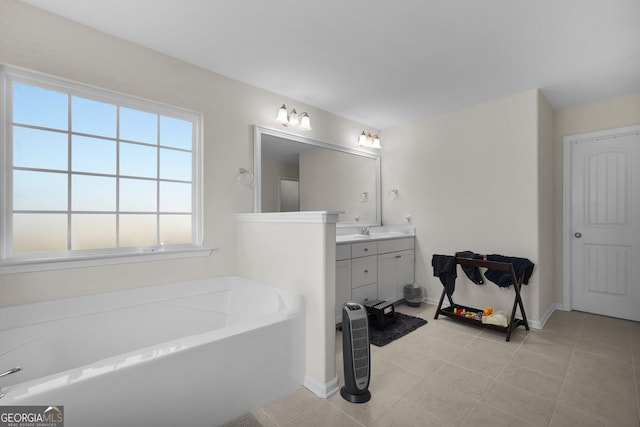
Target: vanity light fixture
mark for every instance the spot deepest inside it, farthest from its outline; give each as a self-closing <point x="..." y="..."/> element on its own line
<point x="294" y="119"/>
<point x="368" y="141"/>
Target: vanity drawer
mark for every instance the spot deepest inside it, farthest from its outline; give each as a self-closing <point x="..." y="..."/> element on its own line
<point x="395" y="245"/>
<point x="343" y="252"/>
<point x="365" y="293"/>
<point x="364" y="271"/>
<point x="364" y="249"/>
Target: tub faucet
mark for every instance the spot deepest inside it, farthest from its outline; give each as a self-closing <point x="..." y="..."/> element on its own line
<point x="9" y="372"/>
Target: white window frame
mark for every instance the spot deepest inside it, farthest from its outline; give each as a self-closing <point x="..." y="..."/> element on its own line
<point x="17" y="263"/>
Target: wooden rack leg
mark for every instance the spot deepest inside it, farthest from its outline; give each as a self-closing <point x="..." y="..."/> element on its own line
<point x="512" y="319"/>
<point x="525" y="322"/>
<point x="517" y="302"/>
<point x="444" y="292"/>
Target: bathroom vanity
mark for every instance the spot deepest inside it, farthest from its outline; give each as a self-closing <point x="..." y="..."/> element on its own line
<point x="373" y="263"/>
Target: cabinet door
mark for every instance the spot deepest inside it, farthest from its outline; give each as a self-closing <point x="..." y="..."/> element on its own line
<point x="387" y="276"/>
<point x="395" y="270"/>
<point x="405" y="271"/>
<point x="343" y="286"/>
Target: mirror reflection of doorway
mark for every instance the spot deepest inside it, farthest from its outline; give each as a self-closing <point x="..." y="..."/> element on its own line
<point x="288" y="194"/>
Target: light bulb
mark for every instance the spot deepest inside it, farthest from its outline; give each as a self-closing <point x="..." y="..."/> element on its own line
<point x="376" y="141"/>
<point x="293" y="118"/>
<point x="282" y="116"/>
<point x="362" y="140"/>
<point x="305" y="122"/>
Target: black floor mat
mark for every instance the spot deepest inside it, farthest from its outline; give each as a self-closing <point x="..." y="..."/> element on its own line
<point x="401" y="327"/>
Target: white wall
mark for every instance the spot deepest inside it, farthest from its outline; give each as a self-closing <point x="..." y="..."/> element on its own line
<point x="40" y="41"/>
<point x="608" y="114"/>
<point x="298" y="257"/>
<point x="546" y="206"/>
<point x="470" y="179"/>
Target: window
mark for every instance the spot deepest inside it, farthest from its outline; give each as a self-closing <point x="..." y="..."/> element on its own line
<point x="89" y="172"/>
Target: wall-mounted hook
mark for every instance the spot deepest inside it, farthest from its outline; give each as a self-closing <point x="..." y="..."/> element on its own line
<point x="245" y="176"/>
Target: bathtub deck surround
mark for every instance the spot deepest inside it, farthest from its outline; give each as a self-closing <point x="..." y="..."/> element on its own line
<point x="184" y="351"/>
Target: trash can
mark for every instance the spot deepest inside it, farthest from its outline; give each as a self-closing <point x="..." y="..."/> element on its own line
<point x="413" y="295"/>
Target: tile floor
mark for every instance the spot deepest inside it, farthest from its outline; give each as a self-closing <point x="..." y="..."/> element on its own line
<point x="581" y="370"/>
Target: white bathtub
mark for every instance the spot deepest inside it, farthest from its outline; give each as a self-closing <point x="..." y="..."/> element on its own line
<point x="196" y="353"/>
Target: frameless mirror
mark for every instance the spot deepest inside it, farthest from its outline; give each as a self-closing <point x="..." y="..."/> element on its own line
<point x="327" y="177"/>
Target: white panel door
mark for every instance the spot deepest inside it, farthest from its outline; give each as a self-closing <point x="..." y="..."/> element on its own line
<point x="605" y="245"/>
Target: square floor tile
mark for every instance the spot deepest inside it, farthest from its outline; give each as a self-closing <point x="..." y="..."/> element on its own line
<point x="540" y="384"/>
<point x="519" y="403"/>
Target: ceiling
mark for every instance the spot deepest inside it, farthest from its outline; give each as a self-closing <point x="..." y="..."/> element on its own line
<point x="384" y="62"/>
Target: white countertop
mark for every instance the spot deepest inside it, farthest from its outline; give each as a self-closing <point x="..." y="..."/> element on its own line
<point x="356" y="234"/>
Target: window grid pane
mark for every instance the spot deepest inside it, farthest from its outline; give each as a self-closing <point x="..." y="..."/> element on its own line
<point x="37" y="106"/>
<point x="29" y="229"/>
<point x="40" y="149"/>
<point x="118" y="187"/>
<point x="93" y="155"/>
<point x="39" y="191"/>
<point x="93" y="231"/>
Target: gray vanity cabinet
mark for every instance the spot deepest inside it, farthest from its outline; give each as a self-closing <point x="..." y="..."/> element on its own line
<point x="343" y="278"/>
<point x="356" y="274"/>
<point x="375" y="269"/>
<point x="343" y="286"/>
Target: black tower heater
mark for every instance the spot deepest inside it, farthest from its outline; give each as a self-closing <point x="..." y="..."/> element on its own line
<point x="355" y="353"/>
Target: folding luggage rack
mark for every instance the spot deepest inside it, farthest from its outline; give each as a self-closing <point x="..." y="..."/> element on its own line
<point x="517" y="302"/>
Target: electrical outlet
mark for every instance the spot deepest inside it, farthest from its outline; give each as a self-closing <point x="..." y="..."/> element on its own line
<point x="408" y="219"/>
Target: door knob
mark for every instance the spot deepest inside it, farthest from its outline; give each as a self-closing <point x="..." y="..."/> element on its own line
<point x="578" y="235"/>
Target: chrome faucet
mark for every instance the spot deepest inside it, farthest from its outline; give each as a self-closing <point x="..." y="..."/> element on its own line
<point x="4" y="374"/>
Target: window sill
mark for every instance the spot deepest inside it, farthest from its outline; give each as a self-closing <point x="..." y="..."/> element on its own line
<point x="45" y="264"/>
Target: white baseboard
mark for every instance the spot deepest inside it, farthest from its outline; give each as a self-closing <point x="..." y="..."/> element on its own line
<point x="539" y="324"/>
<point x="431" y="301"/>
<point x="321" y="390"/>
